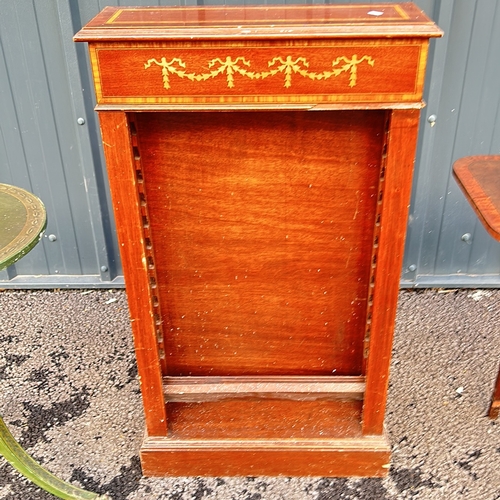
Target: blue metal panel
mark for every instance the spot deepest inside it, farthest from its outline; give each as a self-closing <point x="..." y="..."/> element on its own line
<point x="465" y="99"/>
<point x="45" y="87"/>
<point x="37" y="162"/>
<point x="42" y="149"/>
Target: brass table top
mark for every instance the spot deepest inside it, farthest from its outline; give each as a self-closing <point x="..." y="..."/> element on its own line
<point x="22" y="222"/>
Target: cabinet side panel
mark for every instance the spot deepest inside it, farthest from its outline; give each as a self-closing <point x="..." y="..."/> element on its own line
<point x="123" y="183"/>
<point x="403" y="128"/>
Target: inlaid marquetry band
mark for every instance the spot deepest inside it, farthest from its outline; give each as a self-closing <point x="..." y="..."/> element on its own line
<point x="288" y="66"/>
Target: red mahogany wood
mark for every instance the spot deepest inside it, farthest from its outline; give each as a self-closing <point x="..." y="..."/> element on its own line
<point x="220" y="56"/>
<point x="394" y="207"/>
<point x="243" y="73"/>
<point x="364" y="456"/>
<point x="261" y="243"/>
<point x="270" y="419"/>
<point x="479" y="179"/>
<point x="124" y="181"/>
<point x="269" y="22"/>
<point x="494" y="410"/>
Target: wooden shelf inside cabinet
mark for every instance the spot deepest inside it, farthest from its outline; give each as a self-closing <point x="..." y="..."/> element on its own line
<point x="261" y="242"/>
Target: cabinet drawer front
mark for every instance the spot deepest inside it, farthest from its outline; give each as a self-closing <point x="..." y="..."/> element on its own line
<point x="259" y="73"/>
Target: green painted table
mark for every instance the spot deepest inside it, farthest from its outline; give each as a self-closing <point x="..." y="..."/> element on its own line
<point x="22" y="222"/>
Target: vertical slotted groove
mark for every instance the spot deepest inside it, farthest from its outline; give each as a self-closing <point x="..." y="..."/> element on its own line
<point x="148" y="245"/>
<point x="375" y="245"/>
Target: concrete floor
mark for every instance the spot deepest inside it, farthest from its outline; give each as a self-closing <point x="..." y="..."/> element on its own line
<point x="69" y="393"/>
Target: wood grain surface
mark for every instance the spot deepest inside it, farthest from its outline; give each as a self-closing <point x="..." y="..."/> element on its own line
<point x="264" y="419"/>
<point x="259" y="72"/>
<point x="262" y="227"/>
<point x="258" y="21"/>
<point x="494" y="409"/>
<point x="122" y="172"/>
<point x="364" y="456"/>
<point x="398" y="173"/>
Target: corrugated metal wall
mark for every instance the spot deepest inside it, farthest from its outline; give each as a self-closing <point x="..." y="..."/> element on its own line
<point x="43" y="149"/>
<point x="49" y="143"/>
<point x="463" y="92"/>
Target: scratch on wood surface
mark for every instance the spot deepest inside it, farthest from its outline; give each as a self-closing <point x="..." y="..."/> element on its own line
<point x="357" y="206"/>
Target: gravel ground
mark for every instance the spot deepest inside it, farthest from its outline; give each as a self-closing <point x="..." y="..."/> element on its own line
<point x="69" y="394"/>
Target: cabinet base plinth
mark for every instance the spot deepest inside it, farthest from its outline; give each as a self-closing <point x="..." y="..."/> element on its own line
<point x="364" y="457"/>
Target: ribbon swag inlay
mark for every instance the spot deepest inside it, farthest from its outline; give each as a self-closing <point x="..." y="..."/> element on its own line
<point x="288" y="66"/>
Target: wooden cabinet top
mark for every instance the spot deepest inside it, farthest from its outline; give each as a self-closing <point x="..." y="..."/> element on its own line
<point x="263" y="21"/>
<point x="259" y="56"/>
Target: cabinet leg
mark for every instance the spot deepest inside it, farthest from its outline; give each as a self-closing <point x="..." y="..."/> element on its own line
<point x="495" y="400"/>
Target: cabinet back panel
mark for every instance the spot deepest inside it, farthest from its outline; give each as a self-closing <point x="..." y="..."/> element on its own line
<point x="262" y="235"/>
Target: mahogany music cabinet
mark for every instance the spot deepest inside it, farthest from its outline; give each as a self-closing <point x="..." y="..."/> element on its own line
<point x="260" y="162"/>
